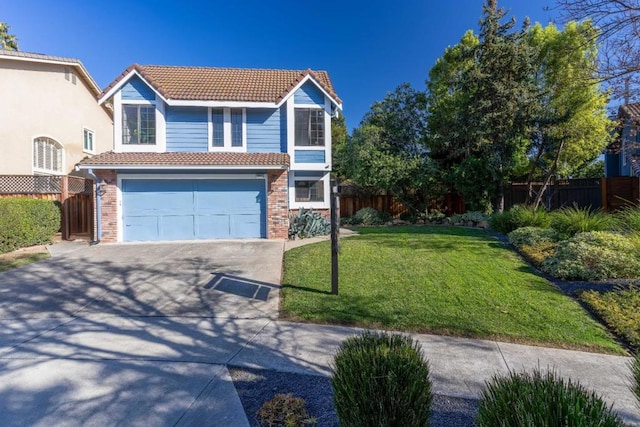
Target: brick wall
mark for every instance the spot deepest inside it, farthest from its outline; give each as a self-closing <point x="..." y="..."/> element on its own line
<point x="277" y="205"/>
<point x="108" y="205"/>
<point x="326" y="213"/>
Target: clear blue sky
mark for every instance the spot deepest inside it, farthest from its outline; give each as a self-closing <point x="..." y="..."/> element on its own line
<point x="367" y="46"/>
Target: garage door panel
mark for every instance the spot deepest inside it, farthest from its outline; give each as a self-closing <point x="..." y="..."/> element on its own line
<point x="213" y="226"/>
<point x="193" y="209"/>
<point x="176" y="227"/>
<point x="141" y="228"/>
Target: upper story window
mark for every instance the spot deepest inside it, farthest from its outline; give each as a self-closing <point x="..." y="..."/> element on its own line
<point x="309" y="126"/>
<point x="47" y="156"/>
<point x="139" y="124"/>
<point x="87" y="141"/>
<point x="228" y="129"/>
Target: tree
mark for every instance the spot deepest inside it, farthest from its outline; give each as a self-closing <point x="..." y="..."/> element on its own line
<point x="618" y="22"/>
<point x="339" y="141"/>
<point x="7" y="41"/>
<point x="487" y="95"/>
<point x="571" y="127"/>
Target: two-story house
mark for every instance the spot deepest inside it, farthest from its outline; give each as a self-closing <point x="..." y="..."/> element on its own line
<point x="205" y="153"/>
<point x="49" y="117"/>
<point x="622" y="156"/>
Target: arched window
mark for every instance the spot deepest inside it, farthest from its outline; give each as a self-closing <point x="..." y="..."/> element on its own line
<point x="47" y="155"/>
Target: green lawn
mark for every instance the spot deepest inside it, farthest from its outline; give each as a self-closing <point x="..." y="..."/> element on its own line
<point x="444" y="280"/>
<point x="17" y="259"/>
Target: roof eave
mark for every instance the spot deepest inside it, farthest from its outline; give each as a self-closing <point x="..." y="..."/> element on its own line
<point x="124" y="166"/>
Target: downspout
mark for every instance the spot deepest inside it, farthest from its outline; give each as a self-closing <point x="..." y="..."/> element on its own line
<point x="98" y="206"/>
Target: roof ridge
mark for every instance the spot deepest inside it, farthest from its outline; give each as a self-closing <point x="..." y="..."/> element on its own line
<point x="206" y="67"/>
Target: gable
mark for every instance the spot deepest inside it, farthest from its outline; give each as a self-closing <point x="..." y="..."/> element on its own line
<point x="309" y="93"/>
<point x="137" y="90"/>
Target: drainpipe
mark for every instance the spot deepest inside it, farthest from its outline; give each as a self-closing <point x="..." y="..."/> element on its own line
<point x="98" y="206"/>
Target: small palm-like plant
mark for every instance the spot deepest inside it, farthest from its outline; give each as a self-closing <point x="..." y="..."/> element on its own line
<point x="630" y="218"/>
<point x="635" y="377"/>
<point x="570" y="221"/>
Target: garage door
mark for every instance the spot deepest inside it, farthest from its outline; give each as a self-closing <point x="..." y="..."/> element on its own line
<point x="186" y="209"/>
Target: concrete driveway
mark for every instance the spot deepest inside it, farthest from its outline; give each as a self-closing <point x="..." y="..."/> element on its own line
<point x="134" y="333"/>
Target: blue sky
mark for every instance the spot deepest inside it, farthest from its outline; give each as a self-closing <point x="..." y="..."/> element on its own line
<point x="368" y="47"/>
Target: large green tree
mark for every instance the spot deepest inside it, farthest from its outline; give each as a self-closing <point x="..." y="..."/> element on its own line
<point x="339" y="141"/>
<point x="571" y="127"/>
<point x="7" y="41"/>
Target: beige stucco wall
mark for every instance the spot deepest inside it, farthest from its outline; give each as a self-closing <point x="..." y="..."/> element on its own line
<point x="37" y="100"/>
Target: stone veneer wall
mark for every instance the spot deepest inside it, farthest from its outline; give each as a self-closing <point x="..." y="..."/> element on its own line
<point x="278" y="204"/>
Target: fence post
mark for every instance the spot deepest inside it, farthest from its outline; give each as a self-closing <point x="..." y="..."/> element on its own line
<point x="64" y="195"/>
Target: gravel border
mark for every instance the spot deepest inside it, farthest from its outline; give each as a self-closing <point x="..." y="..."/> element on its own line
<point x="256" y="386"/>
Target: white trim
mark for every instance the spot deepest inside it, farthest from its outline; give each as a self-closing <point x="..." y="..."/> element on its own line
<point x="226" y="126"/>
<point x="93" y="140"/>
<point x="121" y="177"/>
<point x="161" y="127"/>
<point x="309" y="205"/>
<point x="118" y="86"/>
<point x="313" y="106"/>
<point x="302" y="82"/>
<point x="183" y="167"/>
<point x="222" y="104"/>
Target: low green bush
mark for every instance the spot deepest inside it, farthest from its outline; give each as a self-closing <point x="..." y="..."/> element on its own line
<point x="285" y="410"/>
<point x="570" y="221"/>
<point x="381" y="380"/>
<point x="541" y="400"/>
<point x="474" y="216"/>
<point x="368" y="216"/>
<point x="629" y="219"/>
<point x="532" y="236"/>
<point x="619" y="309"/>
<point x="597" y="255"/>
<point x="307" y="223"/>
<point x="502" y="222"/>
<point x="519" y="216"/>
<point x="27" y="222"/>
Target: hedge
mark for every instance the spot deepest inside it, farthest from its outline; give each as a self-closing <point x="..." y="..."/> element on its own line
<point x="27" y="222"/>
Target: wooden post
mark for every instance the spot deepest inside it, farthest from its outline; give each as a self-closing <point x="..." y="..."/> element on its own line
<point x="64" y="195"/>
<point x="335" y="234"/>
<point x="603" y="190"/>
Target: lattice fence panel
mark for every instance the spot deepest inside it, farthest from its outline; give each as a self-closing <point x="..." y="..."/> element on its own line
<point x="78" y="185"/>
<point x="29" y="184"/>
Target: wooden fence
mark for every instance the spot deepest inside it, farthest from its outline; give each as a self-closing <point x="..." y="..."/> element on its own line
<point x="351" y="203"/>
<point x="585" y="193"/>
<point x="619" y="192"/>
<point x="75" y="195"/>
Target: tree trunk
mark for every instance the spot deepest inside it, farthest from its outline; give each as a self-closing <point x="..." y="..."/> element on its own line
<point x="547" y="179"/>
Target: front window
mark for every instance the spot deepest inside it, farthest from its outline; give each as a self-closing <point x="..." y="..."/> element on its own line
<point x="309" y="127"/>
<point x="236" y="127"/>
<point x="309" y="191"/>
<point x="227" y="129"/>
<point x="87" y="140"/>
<point x="139" y="124"/>
<point x="47" y="155"/>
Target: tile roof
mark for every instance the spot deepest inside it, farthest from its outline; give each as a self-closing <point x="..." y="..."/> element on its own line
<point x="38" y="57"/>
<point x="187" y="159"/>
<point x="224" y="84"/>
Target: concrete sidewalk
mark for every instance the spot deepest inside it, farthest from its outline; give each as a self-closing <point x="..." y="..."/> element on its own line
<point x="101" y="369"/>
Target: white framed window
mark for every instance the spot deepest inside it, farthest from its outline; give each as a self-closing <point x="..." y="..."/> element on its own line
<point x="309" y="190"/>
<point x="48" y="156"/>
<point x="88" y="141"/>
<point x="138" y="124"/>
<point x="309" y="127"/>
<point x="227" y="129"/>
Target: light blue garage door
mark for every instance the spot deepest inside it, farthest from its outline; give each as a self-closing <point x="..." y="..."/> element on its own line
<point x="186" y="209"/>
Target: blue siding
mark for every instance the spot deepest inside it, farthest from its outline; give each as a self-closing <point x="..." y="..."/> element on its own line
<point x="309" y="94"/>
<point x="309" y="156"/>
<point x="187" y="129"/>
<point x="185" y="209"/>
<point x="283" y="129"/>
<point x="137" y="90"/>
<point x="612" y="165"/>
<point x="264" y="131"/>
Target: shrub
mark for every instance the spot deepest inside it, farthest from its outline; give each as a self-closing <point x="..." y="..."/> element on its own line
<point x="619" y="309"/>
<point x="27" y="222"/>
<point x="570" y="221"/>
<point x="597" y="255"/>
<point x="532" y="236"/>
<point x="367" y="216"/>
<point x="381" y="380"/>
<point x="308" y="223"/>
<point x="284" y="410"/>
<point x="528" y="216"/>
<point x="502" y="222"/>
<point x="474" y="217"/>
<point x="629" y="219"/>
<point x="538" y="252"/>
<point x="435" y="215"/>
<point x="537" y="399"/>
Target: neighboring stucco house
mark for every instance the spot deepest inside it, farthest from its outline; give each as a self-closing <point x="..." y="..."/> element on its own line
<point x="205" y="153"/>
<point x="622" y="156"/>
<point x="49" y="117"/>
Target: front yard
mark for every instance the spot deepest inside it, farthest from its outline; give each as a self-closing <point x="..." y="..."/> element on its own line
<point x="444" y="280"/>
